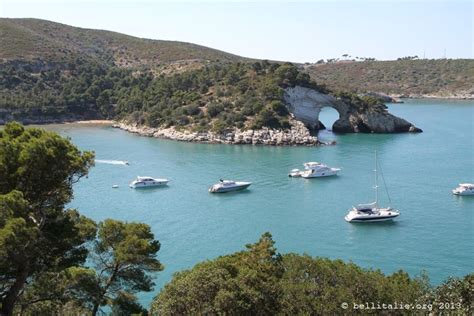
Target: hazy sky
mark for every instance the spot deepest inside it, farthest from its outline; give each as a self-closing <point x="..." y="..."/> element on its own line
<point x="302" y="31"/>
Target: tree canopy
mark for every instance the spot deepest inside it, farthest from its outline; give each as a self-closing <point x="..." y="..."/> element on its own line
<point x="260" y="281"/>
<point x="44" y="245"/>
<point x="37" y="234"/>
<point x="123" y="255"/>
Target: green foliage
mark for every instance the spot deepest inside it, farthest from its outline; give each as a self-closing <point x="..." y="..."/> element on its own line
<point x="240" y="284"/>
<point x="37" y="234"/>
<point x="53" y="293"/>
<point x="279" y="108"/>
<point x="123" y="255"/>
<point x="259" y="281"/>
<point x="361" y="103"/>
<point x="320" y="286"/>
<point x="214" y="109"/>
<point x="43" y="246"/>
<point x="125" y="305"/>
<point x="266" y="117"/>
<point x="454" y="296"/>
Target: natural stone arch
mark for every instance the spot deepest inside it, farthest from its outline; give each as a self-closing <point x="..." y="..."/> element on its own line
<point x="305" y="104"/>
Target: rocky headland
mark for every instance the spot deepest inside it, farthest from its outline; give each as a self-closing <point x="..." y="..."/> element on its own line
<point x="304" y="105"/>
<point x="299" y="134"/>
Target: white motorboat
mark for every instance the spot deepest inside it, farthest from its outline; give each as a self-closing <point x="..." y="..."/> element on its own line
<point x="464" y="189"/>
<point x="366" y="213"/>
<point x="147" y="182"/>
<point x="228" y="186"/>
<point x="314" y="170"/>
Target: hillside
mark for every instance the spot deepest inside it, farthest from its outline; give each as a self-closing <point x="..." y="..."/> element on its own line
<point x="31" y="39"/>
<point x="55" y="73"/>
<point x="215" y="96"/>
<point x="411" y="78"/>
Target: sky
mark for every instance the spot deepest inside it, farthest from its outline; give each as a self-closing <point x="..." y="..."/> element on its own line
<point x="297" y="31"/>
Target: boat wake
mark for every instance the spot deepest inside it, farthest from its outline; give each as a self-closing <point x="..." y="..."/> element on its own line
<point x="113" y="162"/>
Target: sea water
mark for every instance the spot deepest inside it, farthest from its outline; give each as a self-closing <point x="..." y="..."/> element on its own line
<point x="434" y="232"/>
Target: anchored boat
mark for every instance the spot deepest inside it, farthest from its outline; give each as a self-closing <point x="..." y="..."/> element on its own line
<point x="464" y="189"/>
<point x="147" y="182"/>
<point x="228" y="186"/>
<point x="371" y="212"/>
<point x="314" y="170"/>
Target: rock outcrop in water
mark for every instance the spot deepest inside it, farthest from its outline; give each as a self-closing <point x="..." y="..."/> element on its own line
<point x="306" y="104"/>
<point x="297" y="135"/>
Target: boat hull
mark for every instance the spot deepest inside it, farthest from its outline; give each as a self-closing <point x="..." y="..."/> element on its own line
<point x="141" y="185"/>
<point x="229" y="189"/>
<point x="329" y="173"/>
<point x="369" y="220"/>
<point x="464" y="192"/>
<point x="376" y="215"/>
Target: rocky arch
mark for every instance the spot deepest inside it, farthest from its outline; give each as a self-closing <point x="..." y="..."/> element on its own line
<point x="305" y="104"/>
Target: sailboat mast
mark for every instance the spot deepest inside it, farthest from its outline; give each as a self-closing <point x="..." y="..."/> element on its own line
<point x="376" y="187"/>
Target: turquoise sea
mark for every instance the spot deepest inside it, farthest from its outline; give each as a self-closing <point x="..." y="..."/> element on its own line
<point x="435" y="232"/>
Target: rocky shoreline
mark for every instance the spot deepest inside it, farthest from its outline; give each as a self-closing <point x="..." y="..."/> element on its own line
<point x="298" y="135"/>
<point x="461" y="96"/>
<point x="399" y="98"/>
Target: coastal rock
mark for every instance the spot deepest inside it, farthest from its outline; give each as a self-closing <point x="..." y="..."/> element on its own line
<point x="305" y="104"/>
<point x="298" y="134"/>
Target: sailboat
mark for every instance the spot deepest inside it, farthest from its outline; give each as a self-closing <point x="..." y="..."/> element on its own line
<point x="371" y="212"/>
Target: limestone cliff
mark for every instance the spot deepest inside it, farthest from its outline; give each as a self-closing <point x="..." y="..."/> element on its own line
<point x="305" y="104"/>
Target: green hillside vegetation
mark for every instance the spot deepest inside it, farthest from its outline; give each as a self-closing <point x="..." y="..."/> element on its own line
<point x="218" y="95"/>
<point x="33" y="39"/>
<point x="260" y="281"/>
<point x="442" y="77"/>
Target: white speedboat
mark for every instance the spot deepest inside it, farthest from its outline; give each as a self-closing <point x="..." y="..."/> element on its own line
<point x="228" y="186"/>
<point x="147" y="182"/>
<point x="371" y="212"/>
<point x="464" y="189"/>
